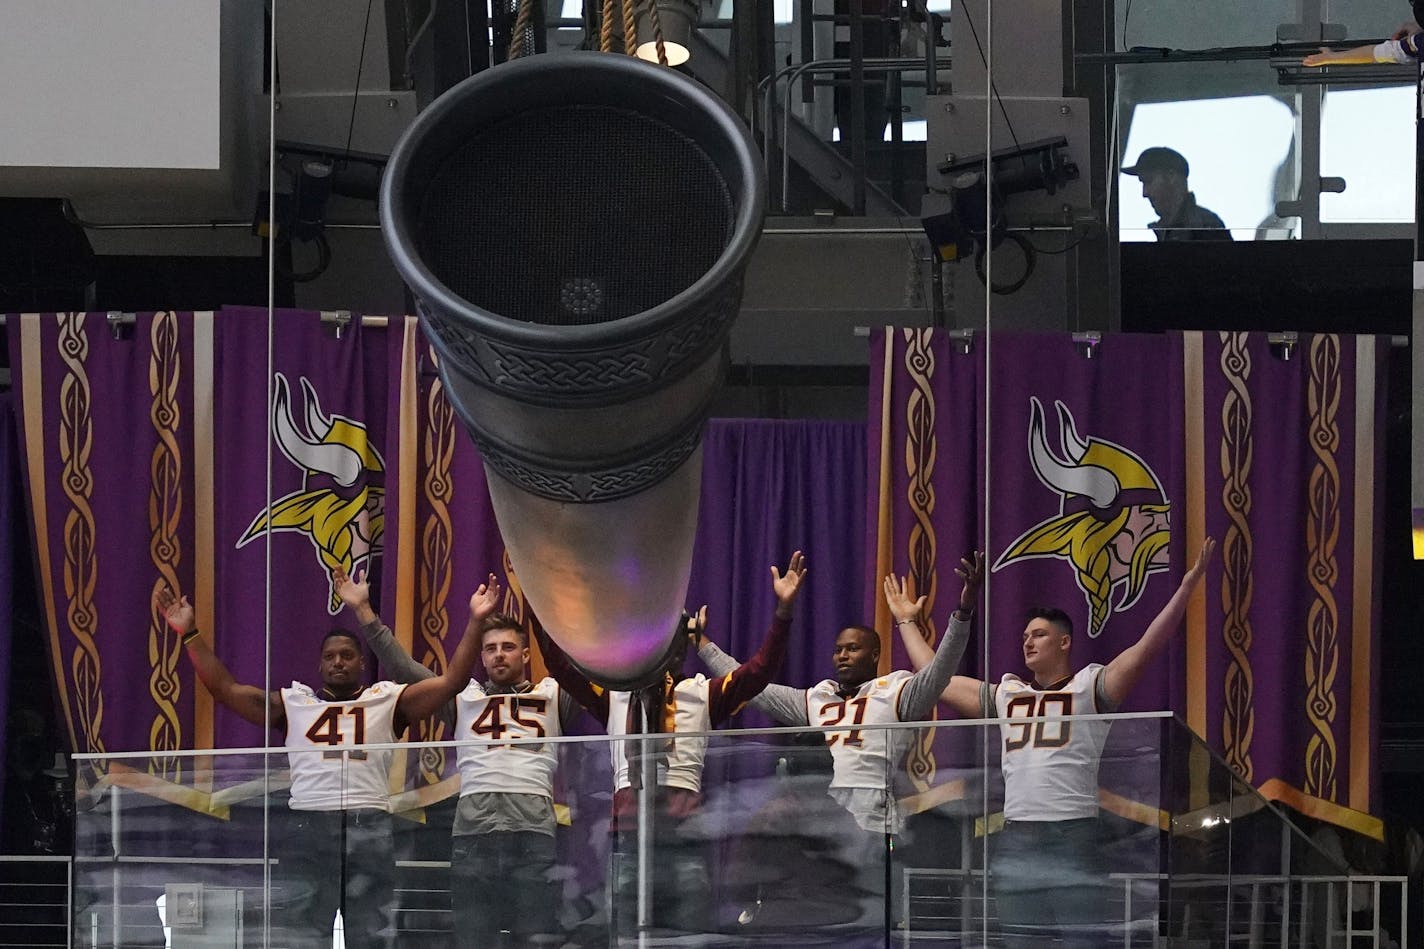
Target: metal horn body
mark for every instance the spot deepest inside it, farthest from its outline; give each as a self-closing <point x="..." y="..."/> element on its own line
<point x="575" y="228"/>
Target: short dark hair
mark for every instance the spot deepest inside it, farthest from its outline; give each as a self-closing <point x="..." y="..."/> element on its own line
<point x="342" y="632"/>
<point x="1054" y="615"/>
<point x="867" y="632"/>
<point x="503" y="621"/>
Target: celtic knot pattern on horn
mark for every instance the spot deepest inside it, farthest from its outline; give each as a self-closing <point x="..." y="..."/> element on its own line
<point x="619" y="369"/>
<point x="607" y="484"/>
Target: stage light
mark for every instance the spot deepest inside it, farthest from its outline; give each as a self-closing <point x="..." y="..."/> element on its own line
<point x="678" y="19"/>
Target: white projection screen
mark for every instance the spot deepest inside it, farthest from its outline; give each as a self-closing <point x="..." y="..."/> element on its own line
<point x="110" y="83"/>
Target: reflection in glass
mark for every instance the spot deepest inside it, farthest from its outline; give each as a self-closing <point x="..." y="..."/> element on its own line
<point x="1237" y="149"/>
<point x="1179" y="848"/>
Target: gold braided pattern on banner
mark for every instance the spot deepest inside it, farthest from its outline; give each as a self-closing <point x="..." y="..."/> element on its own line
<point x="435" y="568"/>
<point x="518" y="39"/>
<point x="920" y="450"/>
<point x="81" y="563"/>
<point x="165" y="548"/>
<point x="605" y="27"/>
<point x="1238" y="719"/>
<point x="1322" y="533"/>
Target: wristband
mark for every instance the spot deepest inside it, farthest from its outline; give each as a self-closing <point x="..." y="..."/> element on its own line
<point x="189" y="636"/>
<point x="903" y="622"/>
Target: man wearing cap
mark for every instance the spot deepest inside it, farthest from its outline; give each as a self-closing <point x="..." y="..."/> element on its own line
<point x="1164" y="182"/>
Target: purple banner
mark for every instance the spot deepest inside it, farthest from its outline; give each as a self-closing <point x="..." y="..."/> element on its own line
<point x="1109" y="463"/>
<point x="1290" y="473"/>
<point x="1084" y="460"/>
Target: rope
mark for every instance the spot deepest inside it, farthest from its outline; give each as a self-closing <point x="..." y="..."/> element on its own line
<point x="522" y="23"/>
<point x="657" y="31"/>
<point x="630" y="27"/>
<point x="605" y="33"/>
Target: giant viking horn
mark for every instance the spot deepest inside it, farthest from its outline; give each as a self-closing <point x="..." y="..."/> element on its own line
<point x="575" y="228"/>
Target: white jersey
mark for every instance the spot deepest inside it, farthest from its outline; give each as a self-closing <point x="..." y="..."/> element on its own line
<point x="329" y="774"/>
<point x="863" y="758"/>
<point x="1051" y="768"/>
<point x="488" y="767"/>
<point x="682" y="766"/>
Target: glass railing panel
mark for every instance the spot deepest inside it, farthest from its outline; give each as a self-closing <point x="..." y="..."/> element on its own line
<point x="1239" y="867"/>
<point x="192" y="860"/>
<point x="1064" y="812"/>
<point x="1091" y="830"/>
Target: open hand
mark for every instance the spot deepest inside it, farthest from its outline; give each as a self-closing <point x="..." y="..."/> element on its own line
<point x="971" y="571"/>
<point x="788" y="586"/>
<point x="1208" y="550"/>
<point x="176" y="610"/>
<point x="485" y="599"/>
<point x="897" y="597"/>
<point x="352" y="593"/>
<point x="697" y="627"/>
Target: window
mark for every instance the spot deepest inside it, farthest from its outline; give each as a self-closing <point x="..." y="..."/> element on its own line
<point x="1367" y="138"/>
<point x="1236" y="148"/>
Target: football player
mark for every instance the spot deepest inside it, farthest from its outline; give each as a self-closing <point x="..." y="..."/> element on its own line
<point x="1046" y="871"/>
<point x="502" y="853"/>
<point x="858" y="698"/>
<point x="680" y="704"/>
<point x="337" y="851"/>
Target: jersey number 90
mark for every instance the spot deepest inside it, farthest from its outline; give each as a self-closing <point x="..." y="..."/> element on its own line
<point x="1042" y="734"/>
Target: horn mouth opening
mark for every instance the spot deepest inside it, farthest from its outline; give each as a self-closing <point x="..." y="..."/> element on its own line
<point x="584" y="208"/>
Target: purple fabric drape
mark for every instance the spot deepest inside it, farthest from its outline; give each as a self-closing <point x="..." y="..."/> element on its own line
<point x="1112" y="567"/>
<point x="1292" y="484"/>
<point x="326" y="436"/>
<point x="1105" y="469"/>
<point x="770" y="488"/>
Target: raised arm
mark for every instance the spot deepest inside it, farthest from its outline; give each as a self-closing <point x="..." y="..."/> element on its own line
<point x="593" y="698"/>
<point x="781" y="702"/>
<point x="395" y="662"/>
<point x="1402" y="47"/>
<point x="919" y="694"/>
<point x="248" y="701"/>
<point x="747" y="680"/>
<point x="426" y="696"/>
<point x="1123" y="672"/>
<point x="934" y="678"/>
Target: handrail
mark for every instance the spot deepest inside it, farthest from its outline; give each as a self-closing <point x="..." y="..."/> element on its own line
<point x="605" y="739"/>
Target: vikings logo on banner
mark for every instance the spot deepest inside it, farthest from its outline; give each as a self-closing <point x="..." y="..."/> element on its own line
<point x="340" y="505"/>
<point x="1112" y="524"/>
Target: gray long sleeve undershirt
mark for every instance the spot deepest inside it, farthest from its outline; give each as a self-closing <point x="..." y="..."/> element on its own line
<point x="400" y="666"/>
<point x="917" y="698"/>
